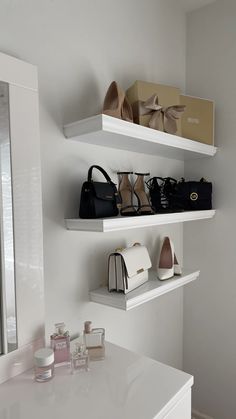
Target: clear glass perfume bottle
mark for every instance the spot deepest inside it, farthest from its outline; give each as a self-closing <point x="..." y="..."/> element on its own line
<point x="94" y="340"/>
<point x="60" y="343"/>
<point x="79" y="359"/>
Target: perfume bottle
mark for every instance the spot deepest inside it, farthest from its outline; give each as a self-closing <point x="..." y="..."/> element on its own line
<point x="60" y="343"/>
<point x="94" y="341"/>
<point x="79" y="359"/>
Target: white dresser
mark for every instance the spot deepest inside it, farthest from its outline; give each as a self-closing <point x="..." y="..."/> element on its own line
<point x="123" y="386"/>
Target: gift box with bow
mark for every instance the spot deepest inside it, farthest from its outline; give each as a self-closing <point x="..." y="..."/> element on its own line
<point x="156" y="106"/>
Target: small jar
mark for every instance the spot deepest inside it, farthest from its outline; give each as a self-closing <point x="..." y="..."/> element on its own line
<point x="44" y="364"/>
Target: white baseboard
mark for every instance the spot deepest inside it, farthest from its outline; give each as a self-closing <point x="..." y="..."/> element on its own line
<point x="198" y="415"/>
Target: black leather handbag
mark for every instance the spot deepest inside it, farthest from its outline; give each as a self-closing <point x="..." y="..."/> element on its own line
<point x="192" y="196"/>
<point x="98" y="199"/>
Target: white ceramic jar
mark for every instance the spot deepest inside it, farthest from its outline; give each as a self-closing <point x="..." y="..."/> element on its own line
<point x="44" y="364"/>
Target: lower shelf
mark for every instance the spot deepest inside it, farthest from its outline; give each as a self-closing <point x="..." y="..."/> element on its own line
<point x="152" y="289"/>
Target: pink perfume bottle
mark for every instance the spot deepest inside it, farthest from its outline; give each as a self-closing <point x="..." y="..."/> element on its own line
<point x="60" y="343"/>
<point x="94" y="340"/>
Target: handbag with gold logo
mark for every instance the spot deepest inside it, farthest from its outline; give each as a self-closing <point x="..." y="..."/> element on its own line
<point x="193" y="195"/>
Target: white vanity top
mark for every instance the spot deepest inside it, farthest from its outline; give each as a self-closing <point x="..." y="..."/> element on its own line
<point x="123" y="386"/>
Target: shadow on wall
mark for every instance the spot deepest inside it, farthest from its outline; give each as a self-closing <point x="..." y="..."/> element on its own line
<point x="85" y="100"/>
<point x="71" y="184"/>
<point x="69" y="100"/>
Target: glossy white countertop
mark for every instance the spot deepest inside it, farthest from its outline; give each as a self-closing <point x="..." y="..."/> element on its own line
<point x="123" y="386"/>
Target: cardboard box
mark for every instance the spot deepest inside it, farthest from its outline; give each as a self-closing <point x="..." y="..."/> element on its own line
<point x="198" y="119"/>
<point x="142" y="90"/>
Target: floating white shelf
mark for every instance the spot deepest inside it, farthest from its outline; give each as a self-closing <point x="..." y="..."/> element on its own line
<point x="106" y="225"/>
<point x="112" y="132"/>
<point x="152" y="289"/>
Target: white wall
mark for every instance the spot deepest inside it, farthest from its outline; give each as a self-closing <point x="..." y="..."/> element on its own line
<point x="210" y="304"/>
<point x="79" y="48"/>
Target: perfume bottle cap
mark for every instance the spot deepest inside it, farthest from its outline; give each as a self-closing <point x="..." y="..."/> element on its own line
<point x="44" y="357"/>
<point x="60" y="328"/>
<point x="79" y="348"/>
<point x="87" y="327"/>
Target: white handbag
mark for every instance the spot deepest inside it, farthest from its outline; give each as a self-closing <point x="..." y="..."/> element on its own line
<point x="128" y="268"/>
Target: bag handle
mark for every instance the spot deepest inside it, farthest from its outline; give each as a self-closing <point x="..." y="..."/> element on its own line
<point x="107" y="177"/>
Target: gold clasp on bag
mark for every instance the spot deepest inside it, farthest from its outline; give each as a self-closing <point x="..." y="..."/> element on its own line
<point x="119" y="249"/>
<point x="140" y="271"/>
<point x="194" y="196"/>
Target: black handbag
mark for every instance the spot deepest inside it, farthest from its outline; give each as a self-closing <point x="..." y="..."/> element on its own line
<point x="192" y="196"/>
<point x="98" y="199"/>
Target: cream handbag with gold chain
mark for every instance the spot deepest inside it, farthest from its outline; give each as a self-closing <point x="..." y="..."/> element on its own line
<point x="128" y="268"/>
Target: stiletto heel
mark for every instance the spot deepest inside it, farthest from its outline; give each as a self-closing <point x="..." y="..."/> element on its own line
<point x="165" y="262"/>
<point x="126" y="194"/>
<point x="116" y="103"/>
<point x="126" y="111"/>
<point x="144" y="206"/>
<point x="177" y="267"/>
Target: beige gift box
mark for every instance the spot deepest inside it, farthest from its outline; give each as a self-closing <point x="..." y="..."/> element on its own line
<point x="142" y="90"/>
<point x="198" y="119"/>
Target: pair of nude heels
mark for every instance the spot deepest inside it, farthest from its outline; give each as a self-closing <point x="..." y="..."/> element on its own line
<point x="167" y="264"/>
<point x="116" y="103"/>
<point x="127" y="191"/>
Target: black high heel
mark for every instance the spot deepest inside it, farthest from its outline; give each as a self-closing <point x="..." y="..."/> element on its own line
<point x="144" y="206"/>
<point x="126" y="193"/>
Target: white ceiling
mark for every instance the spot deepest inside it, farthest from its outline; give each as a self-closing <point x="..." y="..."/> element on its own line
<point x="190" y="5"/>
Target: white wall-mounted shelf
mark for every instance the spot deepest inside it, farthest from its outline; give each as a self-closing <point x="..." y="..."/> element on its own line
<point x="112" y="132"/>
<point x="152" y="289"/>
<point x="106" y="225"/>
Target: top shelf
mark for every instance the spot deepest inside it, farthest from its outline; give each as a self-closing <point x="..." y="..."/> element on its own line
<point x="112" y="132"/>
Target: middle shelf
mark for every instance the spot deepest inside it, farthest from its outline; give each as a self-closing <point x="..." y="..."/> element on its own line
<point x="126" y="223"/>
<point x="152" y="289"/>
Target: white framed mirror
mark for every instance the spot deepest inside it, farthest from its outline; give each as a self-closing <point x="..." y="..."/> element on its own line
<point x="21" y="231"/>
<point x="8" y="326"/>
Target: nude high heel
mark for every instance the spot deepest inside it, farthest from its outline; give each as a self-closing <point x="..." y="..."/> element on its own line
<point x="126" y="193"/>
<point x="126" y="111"/>
<point x="144" y="206"/>
<point x="165" y="263"/>
<point x="116" y="103"/>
